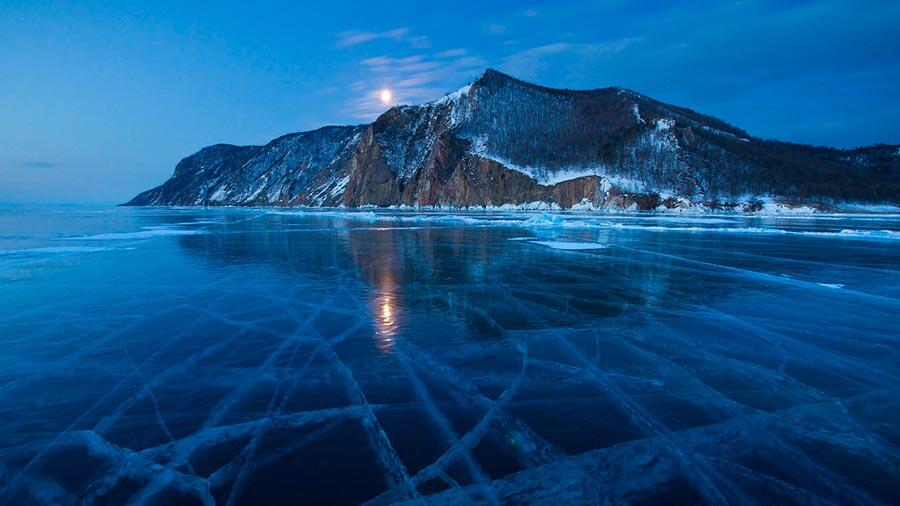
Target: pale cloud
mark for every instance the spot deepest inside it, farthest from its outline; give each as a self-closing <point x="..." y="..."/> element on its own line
<point x="554" y="48"/>
<point x="495" y="29"/>
<point x="419" y="42"/>
<point x="529" y="63"/>
<point x="350" y="38"/>
<point x="453" y="52"/>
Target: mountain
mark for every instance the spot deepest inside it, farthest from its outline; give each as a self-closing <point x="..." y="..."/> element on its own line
<point x="504" y="141"/>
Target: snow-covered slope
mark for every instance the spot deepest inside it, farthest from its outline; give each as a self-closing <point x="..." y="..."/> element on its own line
<point x="501" y="141"/>
<point x="303" y="168"/>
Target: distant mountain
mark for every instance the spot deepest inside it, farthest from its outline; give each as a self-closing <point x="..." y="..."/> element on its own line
<point x="504" y="141"/>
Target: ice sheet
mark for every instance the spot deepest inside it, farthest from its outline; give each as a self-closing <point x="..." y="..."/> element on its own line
<point x="263" y="356"/>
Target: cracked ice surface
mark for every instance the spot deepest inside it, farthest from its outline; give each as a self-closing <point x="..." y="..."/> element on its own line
<point x="188" y="356"/>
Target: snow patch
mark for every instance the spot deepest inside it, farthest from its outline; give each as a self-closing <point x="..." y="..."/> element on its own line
<point x="219" y="195"/>
<point x="843" y="234"/>
<point x="371" y="216"/>
<point x="637" y="113"/>
<point x="574" y="246"/>
<point x="772" y="206"/>
<point x="540" y="175"/>
<point x="143" y="234"/>
<point x="454" y="96"/>
<point x="870" y="208"/>
<point x="53" y="250"/>
<point x="340" y="185"/>
<point x="537" y="205"/>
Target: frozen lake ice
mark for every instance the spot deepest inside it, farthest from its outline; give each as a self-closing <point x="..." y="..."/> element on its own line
<point x="250" y="356"/>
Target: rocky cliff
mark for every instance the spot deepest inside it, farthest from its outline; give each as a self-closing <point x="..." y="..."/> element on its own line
<point x="501" y="141"/>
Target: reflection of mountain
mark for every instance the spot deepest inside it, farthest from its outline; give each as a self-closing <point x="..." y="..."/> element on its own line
<point x="423" y="276"/>
<point x="503" y="141"/>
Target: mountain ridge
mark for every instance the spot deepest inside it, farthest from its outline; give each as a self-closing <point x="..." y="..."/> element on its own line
<point x="504" y="141"/>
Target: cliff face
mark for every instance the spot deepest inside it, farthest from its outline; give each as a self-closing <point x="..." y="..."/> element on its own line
<point x="503" y="141"/>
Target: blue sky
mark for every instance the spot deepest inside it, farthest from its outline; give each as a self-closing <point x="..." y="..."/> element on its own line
<point x="99" y="100"/>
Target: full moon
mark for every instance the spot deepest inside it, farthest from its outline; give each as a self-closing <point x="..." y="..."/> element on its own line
<point x="386" y="96"/>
